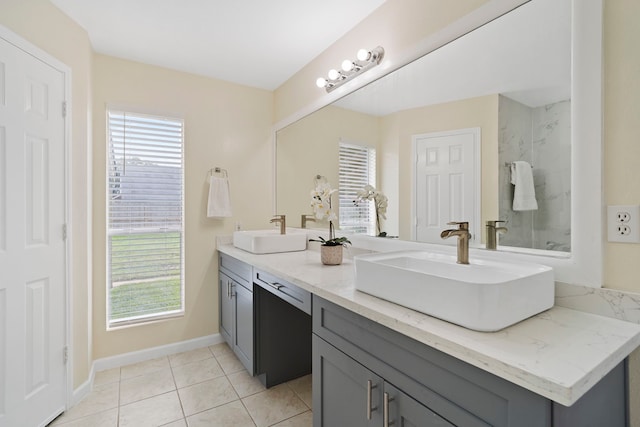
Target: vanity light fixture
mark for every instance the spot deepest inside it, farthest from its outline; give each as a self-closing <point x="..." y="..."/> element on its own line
<point x="366" y="59"/>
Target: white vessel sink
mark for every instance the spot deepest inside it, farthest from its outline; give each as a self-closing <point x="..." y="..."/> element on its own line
<point x="485" y="295"/>
<point x="270" y="241"/>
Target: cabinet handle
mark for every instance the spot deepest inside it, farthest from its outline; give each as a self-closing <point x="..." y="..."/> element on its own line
<point x="370" y="409"/>
<point x="275" y="285"/>
<point x="385" y="410"/>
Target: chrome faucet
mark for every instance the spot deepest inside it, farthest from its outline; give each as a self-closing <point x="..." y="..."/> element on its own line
<point x="492" y="234"/>
<point x="283" y="222"/>
<point x="306" y="218"/>
<point x="463" y="235"/>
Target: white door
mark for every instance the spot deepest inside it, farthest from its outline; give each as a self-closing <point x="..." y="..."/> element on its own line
<point x="447" y="183"/>
<point x="32" y="244"/>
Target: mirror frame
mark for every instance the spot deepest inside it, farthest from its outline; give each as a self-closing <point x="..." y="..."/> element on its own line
<point x="584" y="265"/>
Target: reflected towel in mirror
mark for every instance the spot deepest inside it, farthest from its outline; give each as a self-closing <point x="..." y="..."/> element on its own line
<point x="524" y="194"/>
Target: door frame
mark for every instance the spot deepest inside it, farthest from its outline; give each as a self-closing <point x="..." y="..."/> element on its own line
<point x="31" y="49"/>
<point x="475" y="228"/>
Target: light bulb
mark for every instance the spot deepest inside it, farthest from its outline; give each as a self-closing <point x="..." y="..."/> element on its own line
<point x="347" y="65"/>
<point x="363" y="55"/>
<point x="321" y="82"/>
<point x="333" y="74"/>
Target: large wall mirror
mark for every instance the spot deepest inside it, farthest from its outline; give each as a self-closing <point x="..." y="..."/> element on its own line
<point x="521" y="85"/>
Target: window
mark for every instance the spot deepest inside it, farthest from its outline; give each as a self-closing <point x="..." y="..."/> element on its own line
<point x="357" y="165"/>
<point x="145" y="211"/>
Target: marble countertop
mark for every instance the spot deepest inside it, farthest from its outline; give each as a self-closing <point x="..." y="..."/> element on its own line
<point x="559" y="354"/>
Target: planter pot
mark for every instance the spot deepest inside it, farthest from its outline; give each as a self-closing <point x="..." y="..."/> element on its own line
<point x="331" y="255"/>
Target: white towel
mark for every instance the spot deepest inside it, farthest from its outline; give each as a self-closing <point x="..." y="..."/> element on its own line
<point x="524" y="195"/>
<point x="219" y="204"/>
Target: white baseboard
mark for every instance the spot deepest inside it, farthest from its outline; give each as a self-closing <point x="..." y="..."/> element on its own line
<point x="140" y="356"/>
<point x="82" y="391"/>
<point x="154" y="352"/>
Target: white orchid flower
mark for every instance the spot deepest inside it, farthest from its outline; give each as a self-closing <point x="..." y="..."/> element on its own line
<point x="380" y="202"/>
<point x="321" y="201"/>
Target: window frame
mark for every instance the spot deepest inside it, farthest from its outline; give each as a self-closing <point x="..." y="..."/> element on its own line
<point x="109" y="232"/>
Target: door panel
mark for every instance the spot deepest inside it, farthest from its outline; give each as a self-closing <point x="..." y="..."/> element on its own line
<point x="32" y="246"/>
<point x="36" y="357"/>
<point x="244" y="325"/>
<point x="36" y="190"/>
<point x="340" y="389"/>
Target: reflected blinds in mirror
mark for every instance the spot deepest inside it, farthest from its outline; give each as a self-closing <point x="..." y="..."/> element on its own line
<point x="357" y="168"/>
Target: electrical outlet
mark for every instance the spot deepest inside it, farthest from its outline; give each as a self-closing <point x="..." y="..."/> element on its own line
<point x="622" y="216"/>
<point x="623" y="223"/>
<point x="623" y="230"/>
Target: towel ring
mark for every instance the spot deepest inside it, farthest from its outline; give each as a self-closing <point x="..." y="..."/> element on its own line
<point x="218" y="170"/>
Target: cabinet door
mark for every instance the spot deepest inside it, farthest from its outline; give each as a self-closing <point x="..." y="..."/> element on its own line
<point x="345" y="393"/>
<point x="400" y="410"/>
<point x="226" y="309"/>
<point x="243" y="342"/>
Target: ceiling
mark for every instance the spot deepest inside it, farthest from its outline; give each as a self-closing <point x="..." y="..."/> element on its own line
<point x="256" y="43"/>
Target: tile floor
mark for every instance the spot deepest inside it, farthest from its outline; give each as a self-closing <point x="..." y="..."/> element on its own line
<point x="204" y="387"/>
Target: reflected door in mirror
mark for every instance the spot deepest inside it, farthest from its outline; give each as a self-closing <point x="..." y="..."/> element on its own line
<point x="446" y="182"/>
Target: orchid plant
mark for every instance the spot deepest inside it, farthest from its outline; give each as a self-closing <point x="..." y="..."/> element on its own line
<point x="369" y="193"/>
<point x="321" y="205"/>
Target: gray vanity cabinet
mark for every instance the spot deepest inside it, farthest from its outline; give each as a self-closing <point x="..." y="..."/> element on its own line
<point x="236" y="308"/>
<point x="365" y="374"/>
<point x="414" y="384"/>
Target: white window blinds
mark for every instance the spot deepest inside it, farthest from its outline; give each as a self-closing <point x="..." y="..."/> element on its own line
<point x="357" y="168"/>
<point x="145" y="202"/>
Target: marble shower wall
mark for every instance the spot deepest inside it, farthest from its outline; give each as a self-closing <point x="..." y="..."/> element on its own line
<point x="542" y="137"/>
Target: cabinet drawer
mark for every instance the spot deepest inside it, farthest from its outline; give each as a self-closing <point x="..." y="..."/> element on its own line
<point x="460" y="393"/>
<point x="237" y="270"/>
<point x="289" y="292"/>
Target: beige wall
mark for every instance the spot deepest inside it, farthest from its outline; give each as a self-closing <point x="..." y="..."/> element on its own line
<point x="622" y="132"/>
<point x="398" y="129"/>
<point x="226" y="125"/>
<point x="42" y="24"/>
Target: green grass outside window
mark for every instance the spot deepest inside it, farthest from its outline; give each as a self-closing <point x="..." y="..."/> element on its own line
<point x="145" y="274"/>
